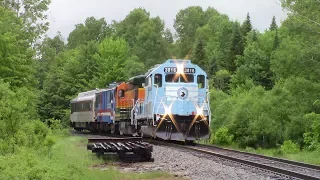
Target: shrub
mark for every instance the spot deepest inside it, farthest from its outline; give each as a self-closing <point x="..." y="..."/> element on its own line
<point x="221" y="137"/>
<point x="290" y="147"/>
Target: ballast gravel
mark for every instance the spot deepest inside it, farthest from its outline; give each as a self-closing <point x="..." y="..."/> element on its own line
<point x="192" y="165"/>
<point x="186" y="164"/>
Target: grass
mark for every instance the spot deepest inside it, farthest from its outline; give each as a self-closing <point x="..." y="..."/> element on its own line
<point x="68" y="159"/>
<point x="310" y="157"/>
<point x="74" y="150"/>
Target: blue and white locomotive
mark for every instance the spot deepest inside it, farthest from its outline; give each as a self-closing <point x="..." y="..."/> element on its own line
<point x="170" y="102"/>
<point x="176" y="100"/>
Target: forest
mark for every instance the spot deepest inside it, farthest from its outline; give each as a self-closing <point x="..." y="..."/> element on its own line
<point x="264" y="86"/>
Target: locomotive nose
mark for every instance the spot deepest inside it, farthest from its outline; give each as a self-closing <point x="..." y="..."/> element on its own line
<point x="183" y="128"/>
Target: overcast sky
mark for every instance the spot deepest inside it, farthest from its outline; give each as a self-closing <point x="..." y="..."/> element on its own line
<point x="64" y="14"/>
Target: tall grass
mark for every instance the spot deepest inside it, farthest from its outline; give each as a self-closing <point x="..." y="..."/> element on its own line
<point x="66" y="159"/>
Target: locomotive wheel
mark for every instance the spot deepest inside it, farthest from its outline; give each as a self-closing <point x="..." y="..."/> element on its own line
<point x="115" y="129"/>
<point x="189" y="142"/>
<point x="78" y="129"/>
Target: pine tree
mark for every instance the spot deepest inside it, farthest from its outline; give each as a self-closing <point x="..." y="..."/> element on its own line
<point x="246" y="26"/>
<point x="276" y="41"/>
<point x="273" y="25"/>
<point x="198" y="56"/>
<point x="254" y="36"/>
<point x="236" y="48"/>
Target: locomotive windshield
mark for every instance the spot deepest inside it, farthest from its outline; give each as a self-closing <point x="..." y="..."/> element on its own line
<point x="185" y="78"/>
<point x="170" y="78"/>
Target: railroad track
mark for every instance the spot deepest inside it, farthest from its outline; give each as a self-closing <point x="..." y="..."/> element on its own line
<point x="287" y="168"/>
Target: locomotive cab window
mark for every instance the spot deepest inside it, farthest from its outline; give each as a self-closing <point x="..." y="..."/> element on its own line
<point x="171" y="78"/>
<point x="158" y="80"/>
<point x="121" y="93"/>
<point x="187" y="78"/>
<point x="201" y="81"/>
<point x="110" y="97"/>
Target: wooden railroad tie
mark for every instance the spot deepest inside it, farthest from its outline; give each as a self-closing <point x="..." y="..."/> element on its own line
<point x="128" y="149"/>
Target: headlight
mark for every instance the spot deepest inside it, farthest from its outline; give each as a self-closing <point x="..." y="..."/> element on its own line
<point x="199" y="111"/>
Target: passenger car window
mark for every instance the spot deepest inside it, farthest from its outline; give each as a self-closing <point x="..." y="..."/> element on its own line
<point x="201" y="81"/>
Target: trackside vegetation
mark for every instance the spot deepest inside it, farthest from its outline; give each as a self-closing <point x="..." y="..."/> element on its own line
<point x="264" y="92"/>
<point x="66" y="159"/>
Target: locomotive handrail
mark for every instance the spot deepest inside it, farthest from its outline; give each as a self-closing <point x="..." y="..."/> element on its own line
<point x="155" y="97"/>
<point x="209" y="110"/>
<point x="132" y="112"/>
<point x="133" y="108"/>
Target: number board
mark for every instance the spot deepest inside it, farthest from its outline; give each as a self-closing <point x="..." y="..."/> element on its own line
<point x="174" y="70"/>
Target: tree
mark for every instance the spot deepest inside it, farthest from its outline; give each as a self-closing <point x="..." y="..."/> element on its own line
<point x="236" y="47"/>
<point x="216" y="35"/>
<point x="16" y="64"/>
<point x="276" y="41"/>
<point x="297" y="59"/>
<point x="255" y="65"/>
<point x="146" y="37"/>
<point x="168" y="36"/>
<point x="273" y="25"/>
<point x="222" y="80"/>
<point x="186" y="23"/>
<point x="111" y="60"/>
<point x="133" y="67"/>
<point x="246" y="27"/>
<point x="32" y="13"/>
<point x="252" y="37"/>
<point x="151" y="46"/>
<point x="92" y="30"/>
<point x="199" y="56"/>
<point x="303" y="19"/>
<point x="49" y="49"/>
<point x="128" y="28"/>
<point x="60" y="85"/>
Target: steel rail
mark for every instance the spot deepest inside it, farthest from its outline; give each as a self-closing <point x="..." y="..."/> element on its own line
<point x="296" y="163"/>
<point x="238" y="160"/>
<point x="209" y="149"/>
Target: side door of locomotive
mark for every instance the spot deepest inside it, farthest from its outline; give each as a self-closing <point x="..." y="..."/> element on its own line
<point x="110" y="102"/>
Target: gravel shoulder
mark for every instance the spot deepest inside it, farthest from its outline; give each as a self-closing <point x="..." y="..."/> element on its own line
<point x="190" y="165"/>
<point x="185" y="164"/>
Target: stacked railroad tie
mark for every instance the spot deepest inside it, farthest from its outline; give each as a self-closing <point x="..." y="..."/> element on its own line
<point x="128" y="149"/>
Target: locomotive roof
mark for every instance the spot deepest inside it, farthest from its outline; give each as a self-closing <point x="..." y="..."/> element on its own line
<point x="89" y="95"/>
<point x="169" y="61"/>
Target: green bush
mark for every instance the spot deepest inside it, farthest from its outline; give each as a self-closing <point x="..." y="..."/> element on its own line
<point x="289" y="147"/>
<point x="222" y="137"/>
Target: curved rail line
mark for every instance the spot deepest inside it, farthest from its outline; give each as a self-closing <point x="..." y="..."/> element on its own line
<point x="281" y="166"/>
<point x="276" y="165"/>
